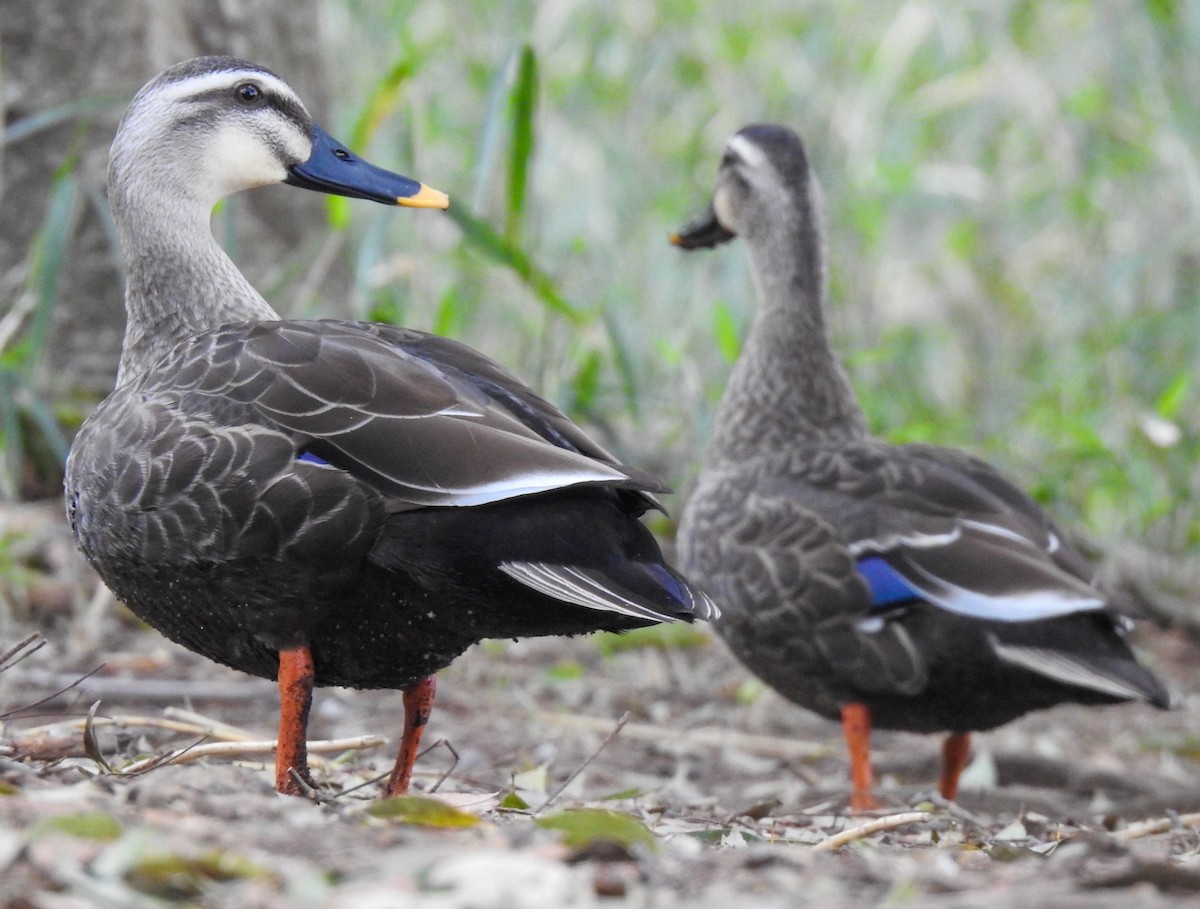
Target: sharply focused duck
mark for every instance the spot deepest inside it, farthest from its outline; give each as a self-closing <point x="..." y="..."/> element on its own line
<point x="902" y="586"/>
<point x="321" y="502"/>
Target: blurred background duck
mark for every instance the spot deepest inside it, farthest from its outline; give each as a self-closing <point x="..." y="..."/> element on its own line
<point x="321" y="502"/>
<point x="898" y="586"/>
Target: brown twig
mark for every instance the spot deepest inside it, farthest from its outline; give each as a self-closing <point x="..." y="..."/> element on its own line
<point x="216" y="728"/>
<point x="364" y="784"/>
<point x="578" y="770"/>
<point x="251" y="749"/>
<point x="77" y="683"/>
<point x="23" y="649"/>
<point x="153" y="762"/>
<point x="315" y="795"/>
<point x="878" y="825"/>
<point x="232" y="742"/>
<point x="1160" y="825"/>
<point x="442" y="743"/>
<point x="195" y="724"/>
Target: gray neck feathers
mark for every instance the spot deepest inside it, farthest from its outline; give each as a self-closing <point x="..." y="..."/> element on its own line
<point x="179" y="281"/>
<point x="788" y="386"/>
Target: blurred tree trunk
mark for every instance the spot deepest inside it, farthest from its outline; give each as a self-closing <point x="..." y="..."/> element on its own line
<point x="55" y="53"/>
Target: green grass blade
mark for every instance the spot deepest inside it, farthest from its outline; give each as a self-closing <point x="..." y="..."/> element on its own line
<point x="49" y="252"/>
<point x="522" y="109"/>
<point x="483" y="238"/>
<point x="384" y="98"/>
<point x="22" y="407"/>
<point x="12" y="443"/>
<point x="380" y="104"/>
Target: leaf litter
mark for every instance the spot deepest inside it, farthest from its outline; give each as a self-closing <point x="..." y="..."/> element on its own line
<point x="652" y="774"/>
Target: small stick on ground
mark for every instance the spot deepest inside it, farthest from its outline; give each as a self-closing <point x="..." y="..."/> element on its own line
<point x="957" y="812"/>
<point x="251" y="749"/>
<point x="1160" y="825"/>
<point x="216" y="728"/>
<point x="21" y="650"/>
<point x="578" y="770"/>
<point x="316" y="796"/>
<point x="442" y="743"/>
<point x="364" y="784"/>
<point x="29" y="708"/>
<point x="197" y="725"/>
<point x="878" y="825"/>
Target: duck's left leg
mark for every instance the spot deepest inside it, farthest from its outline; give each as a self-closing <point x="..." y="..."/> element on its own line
<point x="418" y="704"/>
<point x="296" y="675"/>
<point x="856" y="726"/>
<point x="955" y="752"/>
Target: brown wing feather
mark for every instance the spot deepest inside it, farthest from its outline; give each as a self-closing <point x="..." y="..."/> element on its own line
<point x="421" y="431"/>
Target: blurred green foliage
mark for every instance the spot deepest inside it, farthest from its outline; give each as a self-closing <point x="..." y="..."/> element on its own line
<point x="1013" y="196"/>
<point x="31" y="440"/>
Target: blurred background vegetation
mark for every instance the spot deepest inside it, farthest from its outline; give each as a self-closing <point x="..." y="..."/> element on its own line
<point x="1013" y="197"/>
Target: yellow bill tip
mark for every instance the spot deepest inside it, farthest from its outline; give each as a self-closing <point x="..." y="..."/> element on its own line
<point x="425" y="197"/>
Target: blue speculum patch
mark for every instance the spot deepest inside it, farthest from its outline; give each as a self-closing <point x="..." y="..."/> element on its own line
<point x="668" y="582"/>
<point x="887" y="585"/>
<point x="311" y="458"/>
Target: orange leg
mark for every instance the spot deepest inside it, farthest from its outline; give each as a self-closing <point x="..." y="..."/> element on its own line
<point x="955" y="751"/>
<point x="418" y="704"/>
<point x="296" y="673"/>
<point x="856" y="726"/>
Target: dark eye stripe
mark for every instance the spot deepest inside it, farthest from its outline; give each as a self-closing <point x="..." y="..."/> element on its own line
<point x="285" y="105"/>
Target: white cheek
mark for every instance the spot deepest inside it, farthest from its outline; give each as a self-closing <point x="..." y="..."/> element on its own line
<point x="299" y="146"/>
<point x="723" y="208"/>
<point x="239" y="160"/>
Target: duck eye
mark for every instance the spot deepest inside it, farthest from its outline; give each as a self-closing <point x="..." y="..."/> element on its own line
<point x="249" y="93"/>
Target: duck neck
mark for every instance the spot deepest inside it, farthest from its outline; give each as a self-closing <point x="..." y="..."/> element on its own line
<point x="179" y="281"/>
<point x="787" y="386"/>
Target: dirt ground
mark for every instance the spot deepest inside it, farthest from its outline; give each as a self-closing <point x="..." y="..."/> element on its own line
<point x="742" y="794"/>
